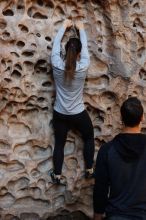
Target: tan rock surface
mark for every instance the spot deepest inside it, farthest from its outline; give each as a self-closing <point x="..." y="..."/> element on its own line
<point x="116" y="32"/>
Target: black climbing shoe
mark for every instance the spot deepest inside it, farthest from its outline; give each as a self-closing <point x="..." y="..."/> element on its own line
<point x="89" y="175"/>
<point x="55" y="179"/>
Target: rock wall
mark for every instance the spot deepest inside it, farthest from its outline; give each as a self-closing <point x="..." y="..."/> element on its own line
<point x="116" y="32"/>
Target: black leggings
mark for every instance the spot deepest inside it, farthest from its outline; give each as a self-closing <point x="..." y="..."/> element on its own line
<point x="62" y="124"/>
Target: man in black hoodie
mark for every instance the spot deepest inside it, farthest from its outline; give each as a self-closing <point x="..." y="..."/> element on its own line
<point x="120" y="174"/>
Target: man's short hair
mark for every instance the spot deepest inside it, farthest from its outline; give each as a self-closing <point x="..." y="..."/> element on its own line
<point x="131" y="112"/>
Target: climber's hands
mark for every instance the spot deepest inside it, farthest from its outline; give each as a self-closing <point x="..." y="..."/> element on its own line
<point x="67" y="23"/>
<point x="79" y="25"/>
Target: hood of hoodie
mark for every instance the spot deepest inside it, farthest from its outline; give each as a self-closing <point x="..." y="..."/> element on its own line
<point x="130" y="146"/>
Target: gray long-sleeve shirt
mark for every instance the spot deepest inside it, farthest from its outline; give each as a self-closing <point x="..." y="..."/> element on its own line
<point x="69" y="97"/>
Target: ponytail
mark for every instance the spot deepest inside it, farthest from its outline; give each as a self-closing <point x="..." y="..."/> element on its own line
<point x="73" y="48"/>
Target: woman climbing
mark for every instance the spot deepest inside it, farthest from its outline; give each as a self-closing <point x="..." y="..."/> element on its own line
<point x="69" y="110"/>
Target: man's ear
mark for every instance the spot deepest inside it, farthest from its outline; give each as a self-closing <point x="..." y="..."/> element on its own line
<point x="142" y="118"/>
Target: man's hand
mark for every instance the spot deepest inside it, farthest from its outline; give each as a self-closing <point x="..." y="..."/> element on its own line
<point x="98" y="217"/>
<point x="67" y="23"/>
<point x="79" y="25"/>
